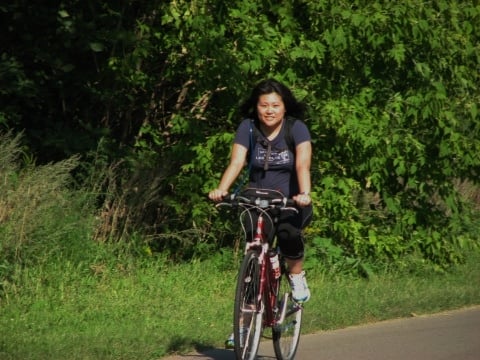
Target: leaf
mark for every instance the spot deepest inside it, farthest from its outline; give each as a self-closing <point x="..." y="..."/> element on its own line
<point x="398" y="53"/>
<point x="474" y="111"/>
<point x="96" y="46"/>
<point x="63" y="14"/>
<point x="68" y="67"/>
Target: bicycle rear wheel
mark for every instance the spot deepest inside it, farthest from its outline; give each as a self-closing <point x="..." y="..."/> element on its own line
<point x="248" y="312"/>
<point x="286" y="333"/>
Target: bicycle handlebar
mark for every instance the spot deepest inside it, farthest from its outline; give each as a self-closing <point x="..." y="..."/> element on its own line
<point x="233" y="200"/>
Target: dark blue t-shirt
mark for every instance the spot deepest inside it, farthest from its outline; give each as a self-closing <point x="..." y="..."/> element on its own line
<point x="281" y="174"/>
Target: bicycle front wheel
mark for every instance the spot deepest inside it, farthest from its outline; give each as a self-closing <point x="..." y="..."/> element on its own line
<point x="249" y="309"/>
<point x="286" y="332"/>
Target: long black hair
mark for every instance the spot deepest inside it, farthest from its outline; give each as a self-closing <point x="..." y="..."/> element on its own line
<point x="292" y="106"/>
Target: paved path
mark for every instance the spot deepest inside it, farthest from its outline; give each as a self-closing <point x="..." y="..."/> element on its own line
<point x="452" y="335"/>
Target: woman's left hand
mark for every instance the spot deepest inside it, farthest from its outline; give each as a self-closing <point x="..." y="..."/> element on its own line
<point x="302" y="200"/>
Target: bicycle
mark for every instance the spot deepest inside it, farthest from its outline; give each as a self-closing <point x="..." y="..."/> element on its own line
<point x="263" y="294"/>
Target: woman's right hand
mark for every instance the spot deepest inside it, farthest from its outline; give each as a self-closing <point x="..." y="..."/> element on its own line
<point x="217" y="195"/>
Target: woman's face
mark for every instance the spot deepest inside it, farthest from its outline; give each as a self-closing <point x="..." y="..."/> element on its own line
<point x="270" y="109"/>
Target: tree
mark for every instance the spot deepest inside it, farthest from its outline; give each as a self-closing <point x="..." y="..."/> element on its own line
<point x="392" y="91"/>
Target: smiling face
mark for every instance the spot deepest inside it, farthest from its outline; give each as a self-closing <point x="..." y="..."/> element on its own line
<point x="270" y="110"/>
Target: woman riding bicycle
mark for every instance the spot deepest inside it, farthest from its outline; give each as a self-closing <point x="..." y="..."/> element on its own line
<point x="271" y="113"/>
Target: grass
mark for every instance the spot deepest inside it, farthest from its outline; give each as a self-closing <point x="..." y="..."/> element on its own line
<point x="341" y="302"/>
<point x="150" y="308"/>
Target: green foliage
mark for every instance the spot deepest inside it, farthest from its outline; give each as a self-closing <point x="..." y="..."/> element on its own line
<point x="394" y="127"/>
<point x="392" y="89"/>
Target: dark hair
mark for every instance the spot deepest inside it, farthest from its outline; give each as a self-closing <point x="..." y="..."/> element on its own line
<point x="292" y="106"/>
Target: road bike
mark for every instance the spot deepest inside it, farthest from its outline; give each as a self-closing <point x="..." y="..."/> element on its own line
<point x="263" y="296"/>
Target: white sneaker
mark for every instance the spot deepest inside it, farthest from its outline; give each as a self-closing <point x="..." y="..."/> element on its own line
<point x="300" y="290"/>
<point x="230" y="342"/>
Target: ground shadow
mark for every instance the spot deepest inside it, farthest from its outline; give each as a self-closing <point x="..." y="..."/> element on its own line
<point x="205" y="351"/>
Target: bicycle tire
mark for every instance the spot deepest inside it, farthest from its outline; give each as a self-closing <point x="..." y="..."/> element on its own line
<point x="286" y="335"/>
<point x="248" y="312"/>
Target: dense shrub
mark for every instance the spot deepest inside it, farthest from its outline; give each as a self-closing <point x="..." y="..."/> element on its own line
<point x="392" y="89"/>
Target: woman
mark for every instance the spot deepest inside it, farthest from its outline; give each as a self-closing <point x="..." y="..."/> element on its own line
<point x="277" y="167"/>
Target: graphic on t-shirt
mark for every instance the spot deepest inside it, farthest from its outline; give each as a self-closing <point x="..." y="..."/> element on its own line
<point x="277" y="157"/>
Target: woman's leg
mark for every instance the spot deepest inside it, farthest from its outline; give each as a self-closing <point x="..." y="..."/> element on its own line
<point x="291" y="242"/>
<point x="295" y="266"/>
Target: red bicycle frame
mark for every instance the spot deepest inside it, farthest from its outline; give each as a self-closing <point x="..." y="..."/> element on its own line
<point x="268" y="283"/>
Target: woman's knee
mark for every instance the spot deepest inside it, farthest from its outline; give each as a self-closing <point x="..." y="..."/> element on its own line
<point x="290" y="241"/>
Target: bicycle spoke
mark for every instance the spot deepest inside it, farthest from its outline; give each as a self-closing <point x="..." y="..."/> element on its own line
<point x="286" y="333"/>
<point x="248" y="313"/>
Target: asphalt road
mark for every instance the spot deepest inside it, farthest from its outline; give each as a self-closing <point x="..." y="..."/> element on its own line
<point x="452" y="335"/>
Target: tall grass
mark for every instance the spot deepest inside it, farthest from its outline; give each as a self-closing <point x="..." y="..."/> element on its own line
<point x="39" y="212"/>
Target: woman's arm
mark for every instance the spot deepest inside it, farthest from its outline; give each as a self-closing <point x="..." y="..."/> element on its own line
<point x="237" y="162"/>
<point x="303" y="160"/>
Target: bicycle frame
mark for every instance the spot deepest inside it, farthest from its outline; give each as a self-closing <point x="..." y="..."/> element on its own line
<point x="268" y="284"/>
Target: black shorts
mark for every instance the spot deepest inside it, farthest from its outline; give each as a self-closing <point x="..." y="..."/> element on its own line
<point x="289" y="230"/>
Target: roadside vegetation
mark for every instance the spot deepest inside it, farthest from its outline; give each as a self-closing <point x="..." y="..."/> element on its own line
<point x="62" y="294"/>
<point x="116" y="118"/>
<point x="117" y="307"/>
